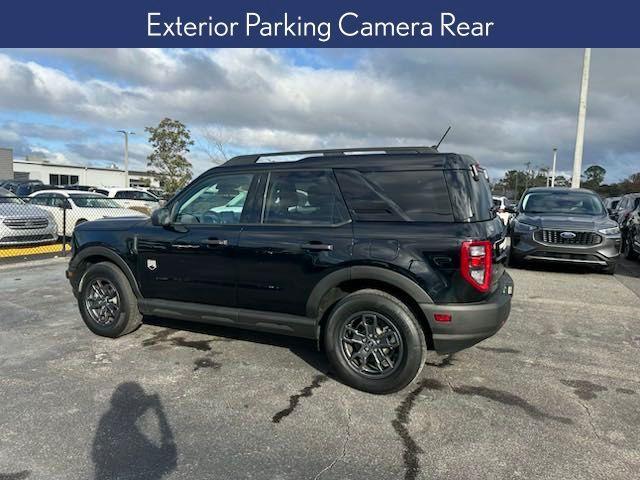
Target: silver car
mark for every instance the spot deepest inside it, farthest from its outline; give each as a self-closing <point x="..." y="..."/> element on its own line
<point x="23" y="224"/>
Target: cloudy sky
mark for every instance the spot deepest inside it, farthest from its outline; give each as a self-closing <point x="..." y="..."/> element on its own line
<point x="507" y="107"/>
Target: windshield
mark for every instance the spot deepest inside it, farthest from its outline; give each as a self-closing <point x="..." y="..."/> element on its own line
<point x="93" y="201"/>
<point x="570" y="203"/>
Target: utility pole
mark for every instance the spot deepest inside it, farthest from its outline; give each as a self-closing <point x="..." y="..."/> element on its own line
<point x="553" y="168"/>
<point x="582" y="118"/>
<point x="126" y="156"/>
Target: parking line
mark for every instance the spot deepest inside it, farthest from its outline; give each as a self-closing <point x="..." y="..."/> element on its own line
<point x="26" y="251"/>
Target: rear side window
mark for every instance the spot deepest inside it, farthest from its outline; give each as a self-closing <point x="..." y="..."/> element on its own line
<point x="470" y="197"/>
<point x="412" y="196"/>
<point x="310" y="198"/>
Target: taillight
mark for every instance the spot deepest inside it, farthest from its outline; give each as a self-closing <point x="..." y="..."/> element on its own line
<point x="475" y="264"/>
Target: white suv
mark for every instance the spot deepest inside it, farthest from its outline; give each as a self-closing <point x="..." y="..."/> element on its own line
<point x="134" y="198"/>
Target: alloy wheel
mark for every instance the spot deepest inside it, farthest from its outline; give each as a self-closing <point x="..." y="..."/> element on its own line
<point x="372" y="344"/>
<point x="102" y="301"/>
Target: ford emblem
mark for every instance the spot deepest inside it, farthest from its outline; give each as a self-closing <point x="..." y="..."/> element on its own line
<point x="568" y="235"/>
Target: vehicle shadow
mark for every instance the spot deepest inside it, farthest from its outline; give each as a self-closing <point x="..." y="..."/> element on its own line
<point x="121" y="449"/>
<point x="303" y="348"/>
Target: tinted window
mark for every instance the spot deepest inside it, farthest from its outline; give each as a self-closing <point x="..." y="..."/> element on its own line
<point x="219" y="200"/>
<point x="93" y="201"/>
<point x="422" y="195"/>
<point x="470" y="196"/>
<point x="124" y="195"/>
<point x="418" y="195"/>
<point x="304" y="198"/>
<point x="364" y="203"/>
<point x="571" y="203"/>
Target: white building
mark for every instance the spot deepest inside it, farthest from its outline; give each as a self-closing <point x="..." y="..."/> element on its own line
<point x="63" y="174"/>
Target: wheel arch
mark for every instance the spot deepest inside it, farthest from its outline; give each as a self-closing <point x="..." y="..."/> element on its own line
<point x="96" y="254"/>
<point x="340" y="283"/>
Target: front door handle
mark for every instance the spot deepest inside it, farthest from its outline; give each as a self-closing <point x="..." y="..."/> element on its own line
<point x="216" y="242"/>
<point x="317" y="246"/>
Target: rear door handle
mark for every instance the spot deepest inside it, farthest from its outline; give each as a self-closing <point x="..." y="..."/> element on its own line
<point x="216" y="242"/>
<point x="317" y="246"/>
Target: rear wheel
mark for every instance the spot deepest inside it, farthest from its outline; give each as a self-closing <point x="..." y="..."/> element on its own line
<point x="107" y="303"/>
<point x="374" y="342"/>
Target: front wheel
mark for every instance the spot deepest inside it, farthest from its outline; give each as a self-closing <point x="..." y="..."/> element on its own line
<point x="107" y="303"/>
<point x="374" y="342"/>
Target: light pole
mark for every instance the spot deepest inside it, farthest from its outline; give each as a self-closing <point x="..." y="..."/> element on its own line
<point x="553" y="168"/>
<point x="126" y="156"/>
<point x="582" y="117"/>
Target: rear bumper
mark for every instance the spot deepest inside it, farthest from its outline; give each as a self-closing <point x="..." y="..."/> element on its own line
<point x="525" y="247"/>
<point x="470" y="322"/>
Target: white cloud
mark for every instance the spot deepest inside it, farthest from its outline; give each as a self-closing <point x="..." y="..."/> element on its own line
<point x="507" y="107"/>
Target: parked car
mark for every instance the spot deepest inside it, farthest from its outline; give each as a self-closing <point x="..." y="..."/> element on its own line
<point x="71" y="208"/>
<point x="25" y="189"/>
<point x="564" y="225"/>
<point x="628" y="203"/>
<point x="611" y="203"/>
<point x="24" y="224"/>
<point x="501" y="204"/>
<point x="384" y="256"/>
<point x="631" y="234"/>
<point x="12" y="185"/>
<point x="134" y="198"/>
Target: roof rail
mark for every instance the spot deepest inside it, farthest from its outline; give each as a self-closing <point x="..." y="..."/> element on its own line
<point x="254" y="158"/>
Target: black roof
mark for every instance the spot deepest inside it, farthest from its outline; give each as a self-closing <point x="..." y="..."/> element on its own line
<point x="382" y="157"/>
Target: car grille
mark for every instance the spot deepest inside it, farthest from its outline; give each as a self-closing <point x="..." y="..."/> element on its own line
<point x="26" y="223"/>
<point x="25" y="239"/>
<point x="554" y="237"/>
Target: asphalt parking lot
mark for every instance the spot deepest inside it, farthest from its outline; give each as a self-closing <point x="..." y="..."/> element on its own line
<point x="555" y="394"/>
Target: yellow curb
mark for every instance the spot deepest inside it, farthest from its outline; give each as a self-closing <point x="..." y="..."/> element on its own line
<point x="33" y="250"/>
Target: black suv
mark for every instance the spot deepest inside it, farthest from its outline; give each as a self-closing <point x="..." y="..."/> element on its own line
<point x="378" y="254"/>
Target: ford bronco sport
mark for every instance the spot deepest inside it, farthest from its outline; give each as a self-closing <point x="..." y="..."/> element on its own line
<point x="377" y="254"/>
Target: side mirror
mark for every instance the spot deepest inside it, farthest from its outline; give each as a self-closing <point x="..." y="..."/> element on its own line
<point x="161" y="217"/>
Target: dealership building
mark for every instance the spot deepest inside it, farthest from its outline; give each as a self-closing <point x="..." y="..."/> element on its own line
<point x="65" y="174"/>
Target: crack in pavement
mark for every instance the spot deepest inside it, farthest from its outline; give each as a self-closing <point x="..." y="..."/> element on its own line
<point x="344" y="447"/>
<point x="590" y="419"/>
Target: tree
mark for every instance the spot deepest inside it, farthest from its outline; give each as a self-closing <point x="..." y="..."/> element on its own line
<point x="170" y="141"/>
<point x="215" y="144"/>
<point x="594" y="176"/>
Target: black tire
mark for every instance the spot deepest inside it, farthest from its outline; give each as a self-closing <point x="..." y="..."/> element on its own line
<point x="127" y="318"/>
<point x="400" y="329"/>
<point x="81" y="221"/>
<point x="628" y="251"/>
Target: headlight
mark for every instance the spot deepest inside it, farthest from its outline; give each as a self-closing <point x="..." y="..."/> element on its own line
<point x="610" y="231"/>
<point x="523" y="227"/>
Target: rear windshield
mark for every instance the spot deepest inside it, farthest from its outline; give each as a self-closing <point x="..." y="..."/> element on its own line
<point x="414" y="196"/>
<point x="570" y="203"/>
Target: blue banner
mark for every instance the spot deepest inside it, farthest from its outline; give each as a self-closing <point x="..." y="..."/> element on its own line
<point x="326" y="23"/>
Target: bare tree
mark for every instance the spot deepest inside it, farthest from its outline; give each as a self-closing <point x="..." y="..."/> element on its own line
<point x="215" y="143"/>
